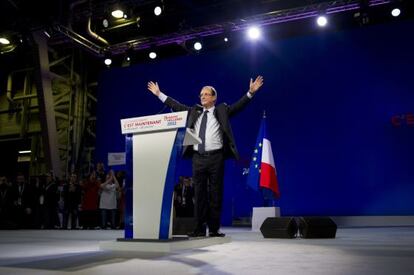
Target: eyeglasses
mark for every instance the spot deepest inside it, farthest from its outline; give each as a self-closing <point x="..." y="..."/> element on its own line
<point x="201" y="95"/>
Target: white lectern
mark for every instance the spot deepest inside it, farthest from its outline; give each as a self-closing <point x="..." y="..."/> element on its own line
<point x="153" y="147"/>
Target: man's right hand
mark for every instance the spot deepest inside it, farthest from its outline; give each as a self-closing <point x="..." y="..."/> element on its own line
<point x="153" y="87"/>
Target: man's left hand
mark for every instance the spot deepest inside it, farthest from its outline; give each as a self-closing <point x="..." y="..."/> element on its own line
<point x="256" y="84"/>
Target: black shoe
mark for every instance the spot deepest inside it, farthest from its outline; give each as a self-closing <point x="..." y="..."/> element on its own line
<point x="197" y="234"/>
<point x="216" y="234"/>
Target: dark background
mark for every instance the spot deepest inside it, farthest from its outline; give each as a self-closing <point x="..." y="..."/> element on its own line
<point x="329" y="98"/>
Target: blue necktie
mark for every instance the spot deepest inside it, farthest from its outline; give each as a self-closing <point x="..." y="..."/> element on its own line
<point x="202" y="133"/>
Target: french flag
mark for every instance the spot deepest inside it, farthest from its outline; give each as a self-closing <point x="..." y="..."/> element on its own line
<point x="262" y="170"/>
<point x="268" y="173"/>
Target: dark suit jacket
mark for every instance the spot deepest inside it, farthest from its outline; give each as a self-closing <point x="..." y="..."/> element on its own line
<point x="222" y="112"/>
<point x="26" y="196"/>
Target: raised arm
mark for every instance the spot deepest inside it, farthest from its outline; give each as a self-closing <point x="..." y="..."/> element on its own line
<point x="154" y="88"/>
<point x="115" y="181"/>
<point x="170" y="102"/>
<point x="242" y="102"/>
<point x="105" y="183"/>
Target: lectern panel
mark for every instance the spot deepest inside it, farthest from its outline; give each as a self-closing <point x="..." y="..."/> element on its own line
<point x="151" y="155"/>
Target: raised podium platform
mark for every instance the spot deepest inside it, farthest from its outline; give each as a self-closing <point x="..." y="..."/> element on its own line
<point x="167" y="246"/>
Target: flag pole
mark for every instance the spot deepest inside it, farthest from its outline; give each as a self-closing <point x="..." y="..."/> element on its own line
<point x="266" y="200"/>
<point x="267" y="195"/>
<point x="262" y="169"/>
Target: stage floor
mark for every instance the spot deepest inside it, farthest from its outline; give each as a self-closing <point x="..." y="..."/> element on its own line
<point x="364" y="251"/>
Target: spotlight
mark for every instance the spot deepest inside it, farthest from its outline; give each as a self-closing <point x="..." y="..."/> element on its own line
<point x="128" y="58"/>
<point x="129" y="54"/>
<point x="4" y="41"/>
<point x="152" y="55"/>
<point x="126" y="61"/>
<point x="198" y="46"/>
<point x="157" y="10"/>
<point x="108" y="61"/>
<point x="226" y="39"/>
<point x="125" y="16"/>
<point x="117" y="13"/>
<point x="396" y="12"/>
<point x="322" y="21"/>
<point x="253" y="33"/>
<point x="105" y="23"/>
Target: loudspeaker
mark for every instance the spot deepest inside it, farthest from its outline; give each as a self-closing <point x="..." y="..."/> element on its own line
<point x="317" y="227"/>
<point x="182" y="226"/>
<point x="284" y="227"/>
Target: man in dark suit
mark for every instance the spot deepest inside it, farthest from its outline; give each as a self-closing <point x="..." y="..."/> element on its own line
<point x="184" y="198"/>
<point x="211" y="123"/>
<point x="24" y="202"/>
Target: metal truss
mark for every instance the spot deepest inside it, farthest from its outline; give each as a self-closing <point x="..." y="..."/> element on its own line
<point x="270" y="18"/>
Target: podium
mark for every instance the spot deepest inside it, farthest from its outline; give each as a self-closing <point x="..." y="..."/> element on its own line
<point x="153" y="145"/>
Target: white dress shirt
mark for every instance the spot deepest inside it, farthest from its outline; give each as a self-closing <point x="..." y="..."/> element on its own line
<point x="214" y="135"/>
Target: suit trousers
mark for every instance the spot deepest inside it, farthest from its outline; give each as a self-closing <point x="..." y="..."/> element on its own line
<point x="208" y="177"/>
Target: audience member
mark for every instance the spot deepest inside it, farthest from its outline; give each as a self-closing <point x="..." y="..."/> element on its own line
<point x="100" y="172"/>
<point x="50" y="200"/>
<point x="108" y="199"/>
<point x="120" y="176"/>
<point x="184" y="198"/>
<point x="72" y="199"/>
<point x="60" y="211"/>
<point x="24" y="202"/>
<point x="89" y="207"/>
<point x="6" y="205"/>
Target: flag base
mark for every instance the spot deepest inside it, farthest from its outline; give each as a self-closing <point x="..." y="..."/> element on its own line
<point x="261" y="213"/>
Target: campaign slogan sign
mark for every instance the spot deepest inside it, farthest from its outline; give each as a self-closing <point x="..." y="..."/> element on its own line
<point x="117" y="158"/>
<point x="153" y="123"/>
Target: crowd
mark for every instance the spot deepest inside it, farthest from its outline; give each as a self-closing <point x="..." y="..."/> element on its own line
<point x="47" y="202"/>
<point x="95" y="202"/>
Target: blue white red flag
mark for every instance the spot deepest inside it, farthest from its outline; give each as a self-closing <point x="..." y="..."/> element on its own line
<point x="262" y="170"/>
